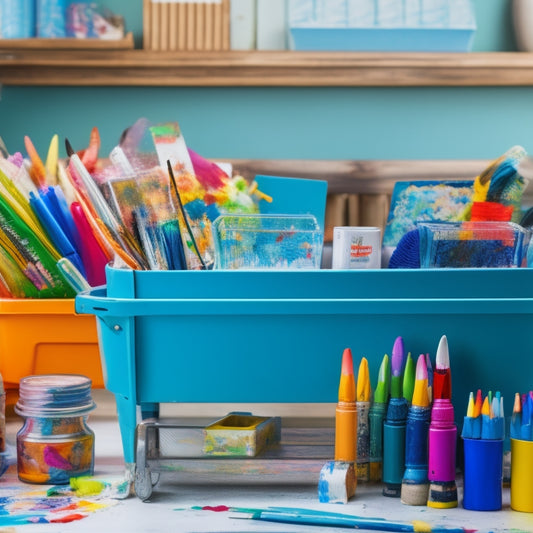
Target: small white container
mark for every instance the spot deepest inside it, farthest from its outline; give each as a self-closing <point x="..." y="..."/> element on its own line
<point x="356" y="247"/>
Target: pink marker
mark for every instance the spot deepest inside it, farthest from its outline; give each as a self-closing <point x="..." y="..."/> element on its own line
<point x="442" y="443"/>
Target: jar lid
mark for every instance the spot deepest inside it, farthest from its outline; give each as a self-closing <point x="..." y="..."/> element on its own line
<point x="54" y="395"/>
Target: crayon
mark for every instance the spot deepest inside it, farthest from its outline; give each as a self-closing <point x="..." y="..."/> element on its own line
<point x="338" y="481"/>
<point x="346" y="413"/>
<point x="415" y="484"/>
<point x="394" y="426"/>
<point x="442" y="436"/>
<point x="363" y="431"/>
<point x="376" y="416"/>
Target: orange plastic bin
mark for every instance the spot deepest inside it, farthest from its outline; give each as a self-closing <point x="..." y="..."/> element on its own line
<point x="43" y="337"/>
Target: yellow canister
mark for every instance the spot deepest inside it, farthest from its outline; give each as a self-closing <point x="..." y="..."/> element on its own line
<point x="522" y="475"/>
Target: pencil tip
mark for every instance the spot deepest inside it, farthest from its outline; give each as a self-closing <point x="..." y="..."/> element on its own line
<point x="68" y="148"/>
<point x="443" y="355"/>
<point x="347" y="362"/>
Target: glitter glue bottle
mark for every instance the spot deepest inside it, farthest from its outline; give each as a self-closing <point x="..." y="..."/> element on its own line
<point x="55" y="443"/>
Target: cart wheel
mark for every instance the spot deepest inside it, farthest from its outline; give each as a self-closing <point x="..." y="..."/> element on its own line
<point x="154" y="476"/>
<point x="143" y="483"/>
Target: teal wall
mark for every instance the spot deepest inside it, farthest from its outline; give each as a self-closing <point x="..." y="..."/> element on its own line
<point x="313" y="123"/>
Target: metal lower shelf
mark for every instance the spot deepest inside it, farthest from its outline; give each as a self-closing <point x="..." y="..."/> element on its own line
<point x="170" y="447"/>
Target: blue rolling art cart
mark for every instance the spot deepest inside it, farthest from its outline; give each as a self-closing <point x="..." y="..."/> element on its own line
<point x="278" y="336"/>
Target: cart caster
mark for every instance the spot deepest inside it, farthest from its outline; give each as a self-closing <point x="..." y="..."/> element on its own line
<point x="144" y="483"/>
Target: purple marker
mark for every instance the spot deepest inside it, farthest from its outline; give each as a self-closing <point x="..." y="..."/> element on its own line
<point x="442" y="441"/>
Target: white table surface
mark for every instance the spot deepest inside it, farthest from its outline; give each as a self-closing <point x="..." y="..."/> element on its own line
<point x="170" y="506"/>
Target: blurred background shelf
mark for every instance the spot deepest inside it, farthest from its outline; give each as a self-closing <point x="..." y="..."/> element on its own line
<point x="37" y="43"/>
<point x="38" y="67"/>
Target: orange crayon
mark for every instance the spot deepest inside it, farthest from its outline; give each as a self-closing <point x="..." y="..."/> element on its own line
<point x="346" y="413"/>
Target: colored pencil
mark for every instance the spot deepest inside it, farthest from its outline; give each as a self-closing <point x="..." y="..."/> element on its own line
<point x="516" y="417"/>
<point x="376" y="416"/>
<point x="363" y="429"/>
<point x="394" y="426"/>
<point x="415" y="483"/>
<point x="346" y="413"/>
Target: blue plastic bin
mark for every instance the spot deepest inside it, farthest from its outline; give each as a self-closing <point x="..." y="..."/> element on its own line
<point x="278" y="336"/>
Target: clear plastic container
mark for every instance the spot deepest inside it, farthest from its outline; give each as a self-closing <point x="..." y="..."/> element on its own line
<point x="55" y="443"/>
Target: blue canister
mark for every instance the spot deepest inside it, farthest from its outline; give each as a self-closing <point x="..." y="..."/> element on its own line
<point x="483" y="474"/>
<point x="52" y="18"/>
<point x="17" y="19"/>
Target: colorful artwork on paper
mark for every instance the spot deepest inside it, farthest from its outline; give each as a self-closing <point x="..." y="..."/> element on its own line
<point x="414" y="201"/>
<point x="42" y="504"/>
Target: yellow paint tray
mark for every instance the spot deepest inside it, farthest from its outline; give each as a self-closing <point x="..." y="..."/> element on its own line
<point x="241" y="435"/>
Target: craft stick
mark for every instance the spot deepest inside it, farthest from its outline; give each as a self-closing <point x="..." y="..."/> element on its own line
<point x="208" y="26"/>
<point x="225" y="25"/>
<point x="147" y="24"/>
<point x="173" y="27"/>
<point x="191" y="25"/>
<point x="199" y="26"/>
<point x="156" y="23"/>
<point x="217" y="26"/>
<point x="182" y="26"/>
<point x="163" y="26"/>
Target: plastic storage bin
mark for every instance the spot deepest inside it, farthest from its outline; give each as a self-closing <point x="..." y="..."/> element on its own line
<point x="278" y="336"/>
<point x="46" y="337"/>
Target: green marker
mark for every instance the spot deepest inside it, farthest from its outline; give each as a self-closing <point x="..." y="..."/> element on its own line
<point x="409" y="378"/>
<point x="376" y="416"/>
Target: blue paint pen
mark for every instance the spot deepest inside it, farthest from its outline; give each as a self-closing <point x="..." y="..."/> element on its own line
<point x="394" y="426"/>
<point x="415" y="484"/>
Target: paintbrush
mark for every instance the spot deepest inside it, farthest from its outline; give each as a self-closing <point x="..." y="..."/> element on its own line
<point x="319" y="518"/>
<point x="184" y="214"/>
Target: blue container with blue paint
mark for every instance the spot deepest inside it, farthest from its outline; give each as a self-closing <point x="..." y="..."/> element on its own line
<point x="17" y="19"/>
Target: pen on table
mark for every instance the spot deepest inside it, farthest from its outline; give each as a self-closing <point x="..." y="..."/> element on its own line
<point x="442" y="439"/>
<point x="363" y="430"/>
<point x="394" y="426"/>
<point x="415" y="484"/>
<point x="376" y="416"/>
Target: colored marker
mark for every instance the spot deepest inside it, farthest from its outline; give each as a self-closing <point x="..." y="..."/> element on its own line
<point x="415" y="484"/>
<point x="409" y="376"/>
<point x="394" y="426"/>
<point x="346" y="413"/>
<point x="376" y="416"/>
<point x="363" y="430"/>
<point x="442" y="440"/>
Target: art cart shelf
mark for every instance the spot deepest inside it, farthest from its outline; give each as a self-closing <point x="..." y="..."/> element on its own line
<point x="262" y="68"/>
<point x="299" y="455"/>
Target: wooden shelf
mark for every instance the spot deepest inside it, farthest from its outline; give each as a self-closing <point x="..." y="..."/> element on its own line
<point x="262" y="69"/>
